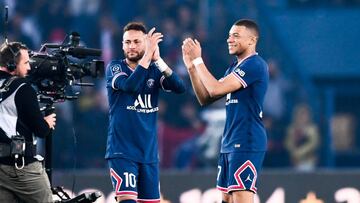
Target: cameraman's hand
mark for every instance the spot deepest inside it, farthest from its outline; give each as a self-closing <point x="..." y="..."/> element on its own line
<point x="50" y="119"/>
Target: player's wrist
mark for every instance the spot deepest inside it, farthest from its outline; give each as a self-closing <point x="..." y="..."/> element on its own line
<point x="161" y="65"/>
<point x="191" y="68"/>
<point x="144" y="63"/>
<point x="197" y="61"/>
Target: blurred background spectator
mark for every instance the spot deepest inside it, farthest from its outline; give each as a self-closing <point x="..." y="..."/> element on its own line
<point x="302" y="139"/>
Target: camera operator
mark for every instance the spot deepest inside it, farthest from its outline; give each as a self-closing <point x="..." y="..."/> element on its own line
<point x="22" y="177"/>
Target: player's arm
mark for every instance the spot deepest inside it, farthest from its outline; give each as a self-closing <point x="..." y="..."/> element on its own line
<point x="201" y="93"/>
<point x="173" y="83"/>
<point x="119" y="80"/>
<point x="170" y="81"/>
<point x="215" y="88"/>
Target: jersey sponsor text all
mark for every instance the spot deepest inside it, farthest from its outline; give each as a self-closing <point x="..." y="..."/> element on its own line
<point x="143" y="104"/>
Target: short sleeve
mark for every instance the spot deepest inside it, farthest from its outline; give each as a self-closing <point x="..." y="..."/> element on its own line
<point x="247" y="73"/>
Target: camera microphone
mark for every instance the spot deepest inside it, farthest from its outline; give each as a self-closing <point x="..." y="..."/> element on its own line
<point x="82" y="52"/>
<point x="6" y="18"/>
<point x="6" y="13"/>
<point x="74" y="39"/>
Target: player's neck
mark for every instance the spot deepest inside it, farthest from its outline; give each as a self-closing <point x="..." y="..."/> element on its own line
<point x="245" y="55"/>
<point x="132" y="65"/>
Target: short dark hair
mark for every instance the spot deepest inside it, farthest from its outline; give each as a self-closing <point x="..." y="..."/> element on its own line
<point x="139" y="26"/>
<point x="250" y="24"/>
<point x="10" y="52"/>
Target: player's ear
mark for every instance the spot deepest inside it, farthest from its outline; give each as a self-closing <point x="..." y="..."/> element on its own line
<point x="253" y="40"/>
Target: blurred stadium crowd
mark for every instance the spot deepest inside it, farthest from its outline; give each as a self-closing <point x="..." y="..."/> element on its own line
<point x="300" y="133"/>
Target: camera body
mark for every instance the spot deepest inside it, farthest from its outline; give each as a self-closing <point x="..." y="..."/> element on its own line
<point x="57" y="66"/>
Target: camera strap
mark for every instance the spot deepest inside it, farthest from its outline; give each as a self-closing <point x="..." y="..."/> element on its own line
<point x="5" y="149"/>
<point x="6" y="84"/>
<point x="18" y="149"/>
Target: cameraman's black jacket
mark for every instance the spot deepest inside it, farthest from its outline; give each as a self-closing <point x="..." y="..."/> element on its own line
<point x="20" y="114"/>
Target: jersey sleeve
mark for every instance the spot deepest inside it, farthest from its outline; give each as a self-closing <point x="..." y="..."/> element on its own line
<point x="173" y="83"/>
<point x="113" y="71"/>
<point x="117" y="79"/>
<point x="247" y="74"/>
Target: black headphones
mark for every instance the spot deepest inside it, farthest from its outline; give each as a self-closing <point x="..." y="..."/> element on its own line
<point x="10" y="53"/>
<point x="11" y="64"/>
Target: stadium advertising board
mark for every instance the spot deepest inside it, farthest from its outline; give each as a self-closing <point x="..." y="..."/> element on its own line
<point x="199" y="187"/>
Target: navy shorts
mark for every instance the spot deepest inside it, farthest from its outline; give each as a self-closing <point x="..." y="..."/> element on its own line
<point x="239" y="171"/>
<point x="131" y="178"/>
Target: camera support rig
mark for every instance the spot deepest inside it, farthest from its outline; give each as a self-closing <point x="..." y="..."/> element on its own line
<point x="82" y="198"/>
<point x="52" y="74"/>
<point x="87" y="197"/>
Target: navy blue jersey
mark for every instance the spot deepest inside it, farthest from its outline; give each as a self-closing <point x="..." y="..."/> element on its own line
<point x="244" y="130"/>
<point x="133" y="102"/>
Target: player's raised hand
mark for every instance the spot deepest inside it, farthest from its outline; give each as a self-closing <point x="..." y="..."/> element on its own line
<point x="185" y="54"/>
<point x="152" y="40"/>
<point x="193" y="48"/>
<point x="156" y="55"/>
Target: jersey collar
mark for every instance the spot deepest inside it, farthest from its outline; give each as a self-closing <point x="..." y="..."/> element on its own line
<point x="238" y="63"/>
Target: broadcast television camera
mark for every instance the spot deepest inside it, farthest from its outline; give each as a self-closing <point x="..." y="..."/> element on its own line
<point x="54" y="69"/>
<point x="57" y="66"/>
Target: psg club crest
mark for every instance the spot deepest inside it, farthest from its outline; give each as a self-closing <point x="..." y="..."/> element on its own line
<point x="150" y="83"/>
